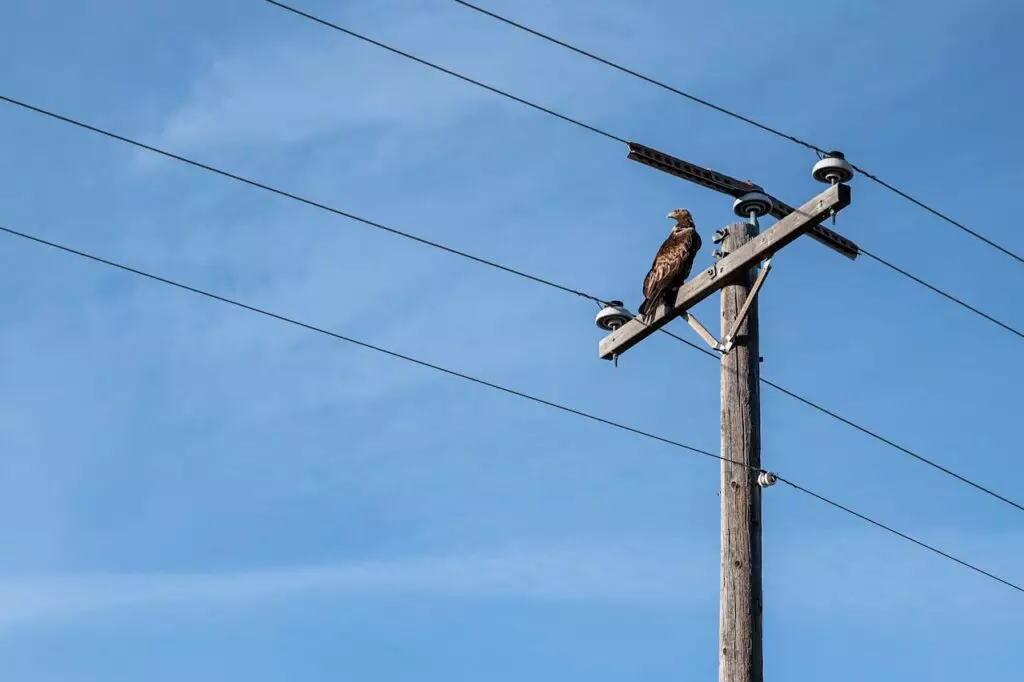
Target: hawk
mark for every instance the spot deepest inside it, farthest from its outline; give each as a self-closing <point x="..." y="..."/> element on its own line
<point x="672" y="263"/>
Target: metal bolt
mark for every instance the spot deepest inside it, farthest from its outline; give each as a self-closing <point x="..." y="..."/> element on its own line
<point x="833" y="179"/>
<point x="718" y="237"/>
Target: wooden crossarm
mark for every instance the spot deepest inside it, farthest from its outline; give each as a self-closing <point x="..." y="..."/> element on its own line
<point x="835" y="198"/>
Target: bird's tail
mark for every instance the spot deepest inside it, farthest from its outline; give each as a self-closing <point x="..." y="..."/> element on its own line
<point x="651" y="303"/>
<point x="646" y="309"/>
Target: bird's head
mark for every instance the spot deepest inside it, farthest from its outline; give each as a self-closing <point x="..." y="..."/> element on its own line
<point x="683" y="219"/>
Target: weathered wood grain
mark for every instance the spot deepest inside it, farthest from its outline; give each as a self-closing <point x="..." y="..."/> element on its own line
<point x="740" y="653"/>
<point x="728" y="339"/>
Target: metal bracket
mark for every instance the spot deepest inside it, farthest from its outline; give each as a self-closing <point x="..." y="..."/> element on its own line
<point x="734" y="188"/>
<point x="729" y="340"/>
<point x="702" y="331"/>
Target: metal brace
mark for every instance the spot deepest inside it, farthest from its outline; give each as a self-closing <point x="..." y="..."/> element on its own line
<point x="729" y="340"/>
<point x="704" y="333"/>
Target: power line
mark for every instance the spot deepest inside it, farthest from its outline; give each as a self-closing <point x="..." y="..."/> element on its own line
<point x="348" y="339"/>
<point x="450" y="72"/>
<point x="739" y="117"/>
<point x="293" y="197"/>
<point x="482" y="382"/>
<point x="574" y="121"/>
<point x="484" y="261"/>
<point x="897" y="446"/>
<point x="863" y="429"/>
<point x="892" y="530"/>
<point x="940" y="292"/>
<point x="631" y="72"/>
<point x="936" y="212"/>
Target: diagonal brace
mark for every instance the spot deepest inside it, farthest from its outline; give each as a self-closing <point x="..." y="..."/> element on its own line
<point x="703" y="332"/>
<point x="729" y="340"/>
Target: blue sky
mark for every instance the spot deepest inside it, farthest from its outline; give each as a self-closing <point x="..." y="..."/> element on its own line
<point x="188" y="491"/>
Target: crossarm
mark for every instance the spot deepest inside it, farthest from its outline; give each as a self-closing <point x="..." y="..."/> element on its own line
<point x="721" y="182"/>
<point x="835" y="198"/>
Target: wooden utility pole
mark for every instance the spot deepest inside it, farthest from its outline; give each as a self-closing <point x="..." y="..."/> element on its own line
<point x="740" y="657"/>
<point x="739" y="638"/>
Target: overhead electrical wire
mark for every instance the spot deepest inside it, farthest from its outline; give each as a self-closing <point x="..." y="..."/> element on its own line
<point x="942" y="293"/>
<point x="581" y="124"/>
<point x="866" y="431"/>
<point x="504" y="268"/>
<point x="288" y="195"/>
<point x="739" y="117"/>
<point x="482" y="382"/>
<point x="892" y="530"/>
<point x="467" y="79"/>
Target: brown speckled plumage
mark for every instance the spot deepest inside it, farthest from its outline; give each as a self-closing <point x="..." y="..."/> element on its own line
<point x="672" y="263"/>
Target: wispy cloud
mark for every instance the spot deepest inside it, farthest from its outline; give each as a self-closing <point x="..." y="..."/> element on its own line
<point x="596" y="575"/>
<point x="287" y="94"/>
<point x="806" y="583"/>
<point x="308" y="81"/>
<point x="866" y="576"/>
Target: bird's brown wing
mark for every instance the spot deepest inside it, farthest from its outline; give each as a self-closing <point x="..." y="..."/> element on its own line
<point x="689" y="247"/>
<point x="671" y="266"/>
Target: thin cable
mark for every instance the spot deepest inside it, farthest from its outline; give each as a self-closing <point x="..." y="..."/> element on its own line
<point x="363" y="344"/>
<point x="892" y="530"/>
<point x="294" y="197"/>
<point x="866" y="431"/>
<point x="652" y="81"/>
<point x="940" y="292"/>
<point x="691" y="344"/>
<point x="504" y="268"/>
<point x="553" y="113"/>
<point x="897" y="446"/>
<point x="432" y="65"/>
<point x="422" y="363"/>
<point x="739" y="117"/>
<point x="935" y="212"/>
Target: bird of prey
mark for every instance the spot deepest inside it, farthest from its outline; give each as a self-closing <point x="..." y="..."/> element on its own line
<point x="672" y="263"/>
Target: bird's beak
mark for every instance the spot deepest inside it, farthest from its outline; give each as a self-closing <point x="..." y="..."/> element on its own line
<point x="671" y="215"/>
